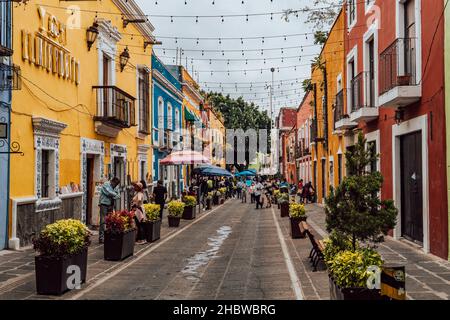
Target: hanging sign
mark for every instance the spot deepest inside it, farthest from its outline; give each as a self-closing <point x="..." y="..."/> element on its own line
<point x="3" y="130"/>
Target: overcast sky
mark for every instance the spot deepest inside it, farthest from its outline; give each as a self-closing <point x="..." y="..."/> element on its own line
<point x="287" y="94"/>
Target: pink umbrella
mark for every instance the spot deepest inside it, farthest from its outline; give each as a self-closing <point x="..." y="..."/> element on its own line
<point x="184" y="157"/>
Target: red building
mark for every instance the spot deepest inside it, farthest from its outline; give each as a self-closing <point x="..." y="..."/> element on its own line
<point x="286" y="120"/>
<point x="395" y="80"/>
<point x="303" y="152"/>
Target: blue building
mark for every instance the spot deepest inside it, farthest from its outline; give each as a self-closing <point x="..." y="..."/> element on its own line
<point x="166" y="125"/>
<point x="8" y="81"/>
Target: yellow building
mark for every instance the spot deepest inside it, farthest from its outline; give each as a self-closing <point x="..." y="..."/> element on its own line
<point x="329" y="122"/>
<point x="84" y="112"/>
<point x="217" y="144"/>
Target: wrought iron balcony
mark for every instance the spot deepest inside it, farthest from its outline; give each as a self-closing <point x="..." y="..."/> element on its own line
<point x="399" y="85"/>
<point x="115" y="109"/>
<point x="10" y="77"/>
<point x="362" y="97"/>
<point x="341" y="118"/>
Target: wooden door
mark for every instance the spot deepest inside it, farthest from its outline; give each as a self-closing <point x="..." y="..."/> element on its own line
<point x="411" y="185"/>
<point x="90" y="188"/>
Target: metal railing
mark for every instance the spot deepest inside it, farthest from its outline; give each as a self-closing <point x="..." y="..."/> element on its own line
<point x="362" y="91"/>
<point x="398" y="65"/>
<point x="339" y="113"/>
<point x="115" y="106"/>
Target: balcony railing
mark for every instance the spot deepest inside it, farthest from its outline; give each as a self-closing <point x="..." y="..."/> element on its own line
<point x="339" y="113"/>
<point x="115" y="107"/>
<point x="10" y="77"/>
<point x="362" y="91"/>
<point x="398" y="65"/>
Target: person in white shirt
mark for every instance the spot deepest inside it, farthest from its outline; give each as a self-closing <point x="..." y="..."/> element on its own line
<point x="258" y="192"/>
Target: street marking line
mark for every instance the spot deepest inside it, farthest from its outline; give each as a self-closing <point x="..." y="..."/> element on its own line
<point x="150" y="250"/>
<point x="289" y="264"/>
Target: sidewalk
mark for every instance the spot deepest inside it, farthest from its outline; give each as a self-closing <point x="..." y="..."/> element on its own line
<point x="428" y="277"/>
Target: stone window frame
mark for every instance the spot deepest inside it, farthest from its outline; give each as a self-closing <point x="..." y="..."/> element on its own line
<point x="47" y="137"/>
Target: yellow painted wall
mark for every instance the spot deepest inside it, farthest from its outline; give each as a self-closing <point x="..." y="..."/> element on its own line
<point x="332" y="57"/>
<point x="48" y="95"/>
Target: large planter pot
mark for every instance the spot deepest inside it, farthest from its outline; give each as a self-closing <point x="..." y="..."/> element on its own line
<point x="119" y="246"/>
<point x="284" y="210"/>
<point x="208" y="204"/>
<point x="338" y="293"/>
<point x="216" y="200"/>
<point x="189" y="213"/>
<point x="174" y="222"/>
<point x="152" y="230"/>
<point x="295" y="228"/>
<point x="222" y="200"/>
<point x="52" y="273"/>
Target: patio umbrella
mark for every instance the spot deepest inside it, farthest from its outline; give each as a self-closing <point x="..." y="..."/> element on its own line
<point x="247" y="174"/>
<point x="216" y="171"/>
<point x="184" y="157"/>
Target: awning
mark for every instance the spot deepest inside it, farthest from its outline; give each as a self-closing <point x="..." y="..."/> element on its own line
<point x="190" y="116"/>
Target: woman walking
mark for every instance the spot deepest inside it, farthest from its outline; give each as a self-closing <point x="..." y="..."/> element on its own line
<point x="139" y="216"/>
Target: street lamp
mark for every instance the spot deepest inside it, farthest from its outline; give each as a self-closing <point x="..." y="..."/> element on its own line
<point x="124" y="57"/>
<point x="91" y="35"/>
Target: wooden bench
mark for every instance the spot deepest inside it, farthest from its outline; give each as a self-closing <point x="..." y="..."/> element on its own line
<point x="318" y="247"/>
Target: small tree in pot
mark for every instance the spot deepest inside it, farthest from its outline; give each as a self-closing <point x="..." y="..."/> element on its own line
<point x="120" y="236"/>
<point x="209" y="200"/>
<point x="283" y="202"/>
<point x="189" y="209"/>
<point x="223" y="192"/>
<point x="297" y="214"/>
<point x="355" y="212"/>
<point x="61" y="246"/>
<point x="152" y="225"/>
<point x="176" y="209"/>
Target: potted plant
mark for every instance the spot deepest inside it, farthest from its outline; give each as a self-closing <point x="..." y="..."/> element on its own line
<point x="176" y="209"/>
<point x="216" y="197"/>
<point x="189" y="209"/>
<point x="61" y="246"/>
<point x="120" y="236"/>
<point x="152" y="225"/>
<point x="404" y="80"/>
<point x="209" y="200"/>
<point x="276" y="194"/>
<point x="283" y="201"/>
<point x="297" y="214"/>
<point x="355" y="212"/>
<point x="223" y="192"/>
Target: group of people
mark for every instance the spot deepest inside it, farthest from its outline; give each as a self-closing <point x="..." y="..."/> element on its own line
<point x="110" y="193"/>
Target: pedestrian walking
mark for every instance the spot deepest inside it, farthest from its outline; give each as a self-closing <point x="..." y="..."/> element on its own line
<point x="160" y="196"/>
<point x="139" y="215"/>
<point x="109" y="192"/>
<point x="258" y="193"/>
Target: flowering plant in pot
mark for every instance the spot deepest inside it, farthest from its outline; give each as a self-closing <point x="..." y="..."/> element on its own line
<point x="297" y="214"/>
<point x="355" y="214"/>
<point x="276" y="194"/>
<point x="152" y="223"/>
<point x="209" y="200"/>
<point x="176" y="209"/>
<point x="120" y="235"/>
<point x="283" y="202"/>
<point x="216" y="197"/>
<point x="189" y="209"/>
<point x="60" y="245"/>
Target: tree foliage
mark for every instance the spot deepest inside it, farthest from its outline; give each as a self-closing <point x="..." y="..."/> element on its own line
<point x="322" y="13"/>
<point x="354" y="208"/>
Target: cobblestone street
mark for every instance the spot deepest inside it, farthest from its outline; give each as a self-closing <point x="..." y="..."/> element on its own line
<point x="232" y="252"/>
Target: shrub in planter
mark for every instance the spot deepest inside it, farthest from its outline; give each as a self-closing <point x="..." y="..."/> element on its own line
<point x="120" y="236"/>
<point x="176" y="209"/>
<point x="297" y="214"/>
<point x="349" y="272"/>
<point x="152" y="225"/>
<point x="60" y="245"/>
<point x="355" y="213"/>
<point x="189" y="209"/>
<point x="216" y="197"/>
<point x="209" y="200"/>
<point x="276" y="194"/>
<point x="283" y="201"/>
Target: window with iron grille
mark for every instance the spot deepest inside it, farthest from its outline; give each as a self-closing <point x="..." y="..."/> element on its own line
<point x="5" y="28"/>
<point x="144" y="101"/>
<point x="45" y="173"/>
<point x="351" y="12"/>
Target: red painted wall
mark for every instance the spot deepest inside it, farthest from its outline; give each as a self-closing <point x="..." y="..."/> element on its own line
<point x="432" y="104"/>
